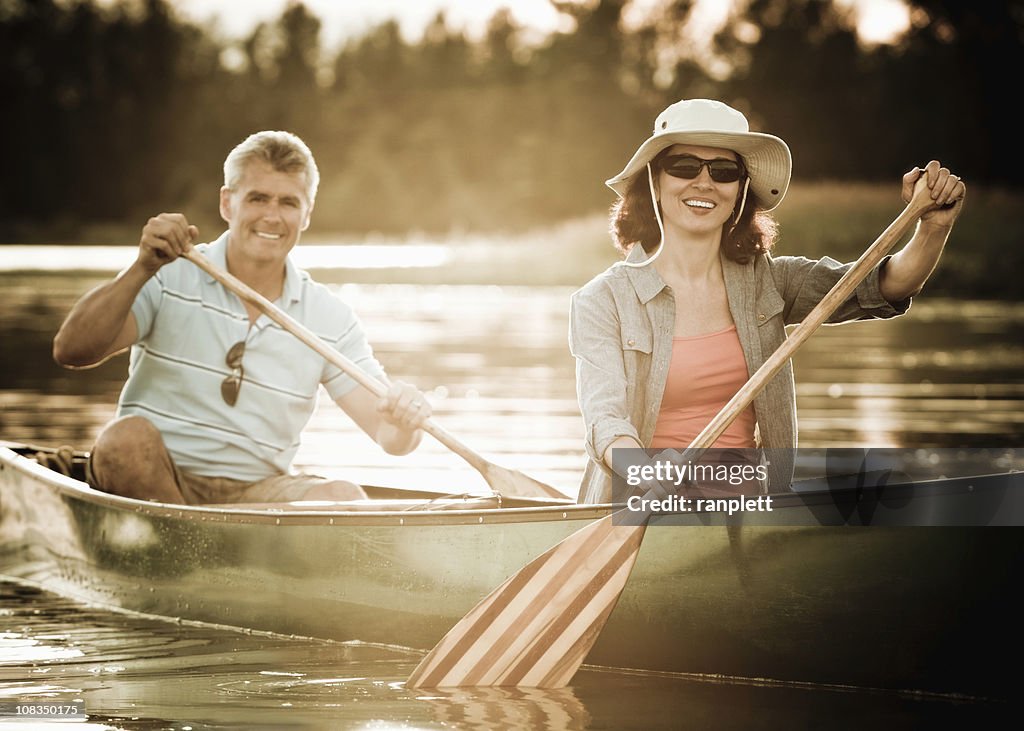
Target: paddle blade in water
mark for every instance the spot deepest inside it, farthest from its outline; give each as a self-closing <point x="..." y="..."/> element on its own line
<point x="536" y="628"/>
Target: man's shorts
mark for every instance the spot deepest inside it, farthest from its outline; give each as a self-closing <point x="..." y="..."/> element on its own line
<point x="202" y="490"/>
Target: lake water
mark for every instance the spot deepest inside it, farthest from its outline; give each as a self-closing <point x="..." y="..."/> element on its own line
<point x="494" y="361"/>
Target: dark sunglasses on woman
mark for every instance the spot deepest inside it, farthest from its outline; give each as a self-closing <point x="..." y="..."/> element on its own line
<point x="688" y="167"/>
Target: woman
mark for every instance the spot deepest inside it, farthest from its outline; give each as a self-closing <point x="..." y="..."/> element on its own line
<point x="665" y="338"/>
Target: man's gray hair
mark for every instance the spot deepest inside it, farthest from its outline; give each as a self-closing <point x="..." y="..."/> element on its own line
<point x="283" y="151"/>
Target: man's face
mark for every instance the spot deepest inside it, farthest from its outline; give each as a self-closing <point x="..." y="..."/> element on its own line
<point x="265" y="212"/>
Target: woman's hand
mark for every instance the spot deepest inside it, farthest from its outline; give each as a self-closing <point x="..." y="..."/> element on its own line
<point x="947" y="191"/>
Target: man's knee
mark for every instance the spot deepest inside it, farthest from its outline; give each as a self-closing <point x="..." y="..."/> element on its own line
<point x="128" y="434"/>
<point x="129" y="458"/>
<point x="335" y="490"/>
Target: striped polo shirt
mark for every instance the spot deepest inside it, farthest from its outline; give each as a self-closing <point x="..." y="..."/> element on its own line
<point x="187" y="322"/>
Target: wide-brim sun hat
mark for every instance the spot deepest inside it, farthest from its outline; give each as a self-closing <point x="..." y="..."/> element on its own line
<point x="710" y="123"/>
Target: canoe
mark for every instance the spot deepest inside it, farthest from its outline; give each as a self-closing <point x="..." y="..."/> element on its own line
<point x="775" y="596"/>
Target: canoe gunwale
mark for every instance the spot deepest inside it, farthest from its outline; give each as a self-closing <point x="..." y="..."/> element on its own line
<point x="521" y="510"/>
<point x="543" y="510"/>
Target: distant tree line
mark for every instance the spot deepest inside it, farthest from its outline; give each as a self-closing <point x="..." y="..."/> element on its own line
<point x="118" y="111"/>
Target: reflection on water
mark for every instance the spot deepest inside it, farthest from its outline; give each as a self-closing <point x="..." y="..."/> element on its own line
<point x="137" y="673"/>
<point x="949" y="374"/>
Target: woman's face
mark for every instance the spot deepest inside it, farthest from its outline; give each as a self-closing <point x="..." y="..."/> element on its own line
<point x="699" y="205"/>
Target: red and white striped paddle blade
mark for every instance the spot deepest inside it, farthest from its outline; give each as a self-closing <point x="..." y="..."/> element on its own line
<point x="536" y="628"/>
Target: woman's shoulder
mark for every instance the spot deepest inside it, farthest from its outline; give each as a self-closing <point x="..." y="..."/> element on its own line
<point x="788" y="265"/>
<point x="604" y="283"/>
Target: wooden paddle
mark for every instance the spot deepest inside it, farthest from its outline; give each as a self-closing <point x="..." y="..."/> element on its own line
<point x="506" y="482"/>
<point x="536" y="628"/>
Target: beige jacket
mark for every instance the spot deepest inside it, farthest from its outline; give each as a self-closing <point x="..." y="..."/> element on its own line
<point x="620" y="333"/>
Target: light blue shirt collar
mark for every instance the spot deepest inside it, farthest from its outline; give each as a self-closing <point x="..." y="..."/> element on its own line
<point x="217" y="253"/>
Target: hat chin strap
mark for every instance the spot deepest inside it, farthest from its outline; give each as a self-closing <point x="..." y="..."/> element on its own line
<point x="661" y="226"/>
<point x="743" y="202"/>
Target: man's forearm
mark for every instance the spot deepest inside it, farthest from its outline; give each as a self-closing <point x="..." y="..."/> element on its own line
<point x="91" y="330"/>
<point x="396" y="440"/>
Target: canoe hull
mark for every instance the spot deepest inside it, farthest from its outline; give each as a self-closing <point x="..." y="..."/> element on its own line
<point x="907" y="608"/>
<point x="884" y="607"/>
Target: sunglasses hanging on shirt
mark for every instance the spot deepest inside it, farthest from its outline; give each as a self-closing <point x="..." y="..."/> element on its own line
<point x="231" y="385"/>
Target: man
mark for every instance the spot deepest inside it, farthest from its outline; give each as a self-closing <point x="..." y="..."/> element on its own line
<point x="217" y="394"/>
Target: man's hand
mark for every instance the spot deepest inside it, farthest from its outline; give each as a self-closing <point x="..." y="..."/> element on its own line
<point x="404" y="406"/>
<point x="164" y="239"/>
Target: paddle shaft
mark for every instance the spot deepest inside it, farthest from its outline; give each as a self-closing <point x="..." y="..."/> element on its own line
<point x="371" y="384"/>
<point x="840" y="292"/>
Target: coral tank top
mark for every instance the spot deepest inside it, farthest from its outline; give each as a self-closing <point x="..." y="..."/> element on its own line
<point x="706" y="371"/>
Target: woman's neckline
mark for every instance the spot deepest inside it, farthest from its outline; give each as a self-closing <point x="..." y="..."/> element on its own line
<point x="704" y="335"/>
